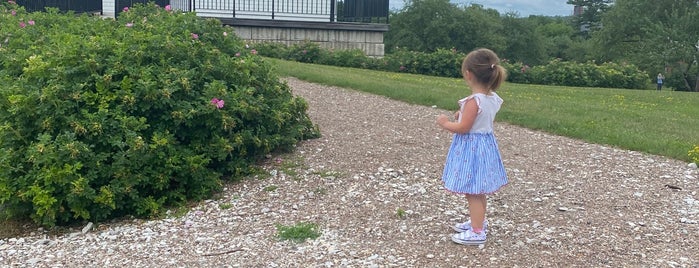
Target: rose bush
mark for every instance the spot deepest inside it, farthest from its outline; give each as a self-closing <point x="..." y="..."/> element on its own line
<point x="101" y="118"/>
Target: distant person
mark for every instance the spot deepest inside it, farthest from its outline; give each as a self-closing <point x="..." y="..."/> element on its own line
<point x="474" y="166"/>
<point x="660" y="81"/>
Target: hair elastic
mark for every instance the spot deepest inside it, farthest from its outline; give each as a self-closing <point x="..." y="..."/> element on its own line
<point x="492" y="66"/>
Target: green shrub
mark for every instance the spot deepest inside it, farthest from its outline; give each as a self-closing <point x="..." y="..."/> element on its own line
<point x="353" y="58"/>
<point x="101" y="118"/>
<point x="403" y="60"/>
<point x="517" y="72"/>
<point x="444" y="63"/>
<point x="694" y="154"/>
<point x="564" y="73"/>
<point x="682" y="77"/>
<point x="272" y="49"/>
<point x="306" y="51"/>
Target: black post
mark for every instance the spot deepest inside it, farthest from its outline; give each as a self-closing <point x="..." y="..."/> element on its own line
<point x="273" y="8"/>
<point x="388" y="12"/>
<point x="332" y="10"/>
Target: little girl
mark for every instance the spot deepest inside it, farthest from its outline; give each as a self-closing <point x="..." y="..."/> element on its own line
<point x="474" y="167"/>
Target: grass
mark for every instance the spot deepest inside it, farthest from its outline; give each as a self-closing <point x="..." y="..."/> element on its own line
<point x="271" y="188"/>
<point x="289" y="164"/>
<point x="662" y="123"/>
<point x="401" y="213"/>
<point x="299" y="232"/>
<point x="328" y="173"/>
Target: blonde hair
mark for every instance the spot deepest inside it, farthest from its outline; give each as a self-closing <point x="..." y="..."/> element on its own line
<point x="484" y="64"/>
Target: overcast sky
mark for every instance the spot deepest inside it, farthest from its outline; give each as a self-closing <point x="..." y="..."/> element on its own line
<point x="523" y="7"/>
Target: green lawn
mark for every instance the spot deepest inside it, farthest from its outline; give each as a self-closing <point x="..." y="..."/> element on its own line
<point x="662" y="123"/>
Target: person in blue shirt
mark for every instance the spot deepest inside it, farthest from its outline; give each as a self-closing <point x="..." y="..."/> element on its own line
<point x="660" y="81"/>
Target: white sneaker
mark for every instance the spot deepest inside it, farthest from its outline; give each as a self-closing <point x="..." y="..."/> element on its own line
<point x="466" y="226"/>
<point x="469" y="238"/>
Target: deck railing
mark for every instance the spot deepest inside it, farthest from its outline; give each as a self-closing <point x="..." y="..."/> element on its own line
<point x="63" y="5"/>
<point x="368" y="11"/>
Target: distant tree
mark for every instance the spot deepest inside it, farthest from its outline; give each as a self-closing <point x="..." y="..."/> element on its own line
<point x="524" y="43"/>
<point x="658" y="36"/>
<point x="591" y="17"/>
<point x="426" y="25"/>
<point x="481" y="27"/>
<point x="557" y="36"/>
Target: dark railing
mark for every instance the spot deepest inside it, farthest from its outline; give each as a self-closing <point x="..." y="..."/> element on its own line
<point x="370" y="11"/>
<point x="78" y="6"/>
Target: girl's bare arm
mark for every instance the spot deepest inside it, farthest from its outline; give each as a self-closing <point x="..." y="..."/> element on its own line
<point x="468" y="116"/>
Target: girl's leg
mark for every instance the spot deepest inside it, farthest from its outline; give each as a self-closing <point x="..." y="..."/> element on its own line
<point x="476" y="207"/>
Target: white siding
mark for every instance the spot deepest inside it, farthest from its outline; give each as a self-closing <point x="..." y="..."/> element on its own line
<point x="108" y="8"/>
<point x="180" y="5"/>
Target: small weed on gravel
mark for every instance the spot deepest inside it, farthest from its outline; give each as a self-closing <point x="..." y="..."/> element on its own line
<point x="401" y="213"/>
<point x="328" y="173"/>
<point x="259" y="173"/>
<point x="271" y="188"/>
<point x="290" y="164"/>
<point x="320" y="191"/>
<point x="299" y="232"/>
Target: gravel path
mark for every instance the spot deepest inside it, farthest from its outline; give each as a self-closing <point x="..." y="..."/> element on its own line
<point x="372" y="184"/>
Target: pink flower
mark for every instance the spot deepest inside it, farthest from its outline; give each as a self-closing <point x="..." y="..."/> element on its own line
<point x="22" y="24"/>
<point x="237" y="54"/>
<point x="168" y="8"/>
<point x="125" y="9"/>
<point x="524" y="68"/>
<point x="14" y="12"/>
<point x="11" y="2"/>
<point x="31" y="22"/>
<point x="254" y="52"/>
<point x="402" y="68"/>
<point x="225" y="33"/>
<point x="130" y="24"/>
<point x="195" y="36"/>
<point x="218" y="103"/>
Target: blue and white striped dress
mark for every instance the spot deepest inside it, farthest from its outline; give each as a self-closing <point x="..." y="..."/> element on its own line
<point x="474" y="164"/>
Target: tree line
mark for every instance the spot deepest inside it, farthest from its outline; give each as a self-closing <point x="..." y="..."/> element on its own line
<point x="657" y="36"/>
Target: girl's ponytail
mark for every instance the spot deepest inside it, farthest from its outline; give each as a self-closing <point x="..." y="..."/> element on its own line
<point x="498" y="77"/>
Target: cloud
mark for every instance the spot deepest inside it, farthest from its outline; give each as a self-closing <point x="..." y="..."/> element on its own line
<point x="523" y="7"/>
<point x="528" y="7"/>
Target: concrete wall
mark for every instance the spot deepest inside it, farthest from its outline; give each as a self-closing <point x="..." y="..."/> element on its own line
<point x="336" y="36"/>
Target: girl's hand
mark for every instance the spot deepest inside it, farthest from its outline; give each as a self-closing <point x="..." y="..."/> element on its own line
<point x="441" y="119"/>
